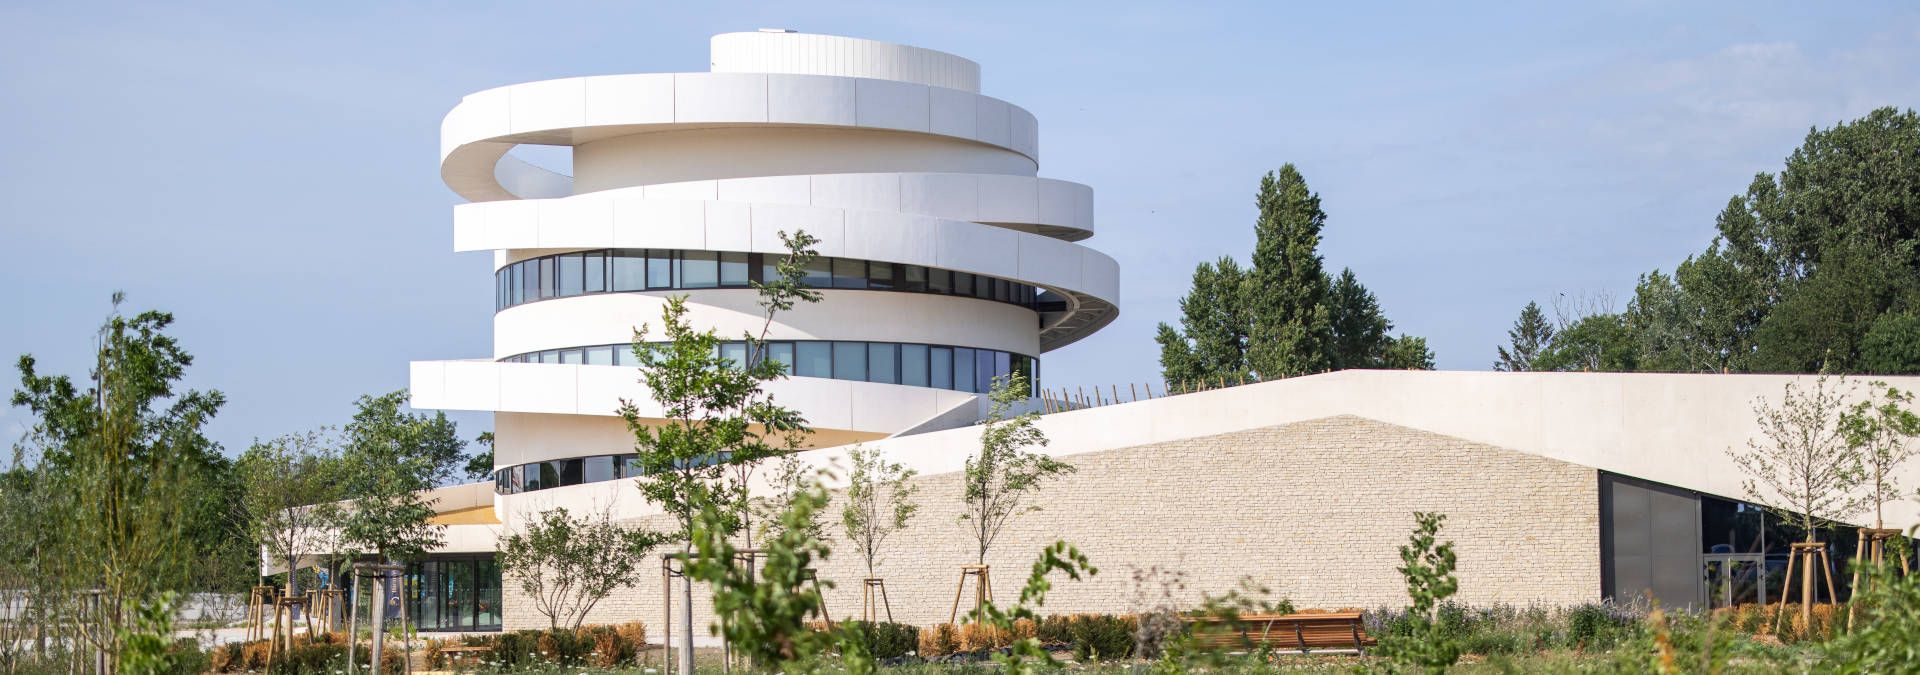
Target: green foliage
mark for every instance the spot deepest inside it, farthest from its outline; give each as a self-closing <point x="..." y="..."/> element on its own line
<point x="390" y="458"/>
<point x="1216" y="326"/>
<point x="879" y="639"/>
<point x="1892" y="345"/>
<point x="715" y="420"/>
<point x="1407" y="352"/>
<point x="480" y="464"/>
<point x="1002" y="480"/>
<point x="1886" y="634"/>
<point x="565" y="564"/>
<point x="1430" y="643"/>
<point x="716" y="411"/>
<point x="879" y="503"/>
<point x="1813" y="269"/>
<point x="1284" y="315"/>
<point x="1089" y="636"/>
<point x="764" y="615"/>
<point x="114" y="487"/>
<point x="1292" y="318"/>
<point x="290" y="487"/>
<point x="589" y="646"/>
<point x="1881" y="429"/>
<point x="1526" y="340"/>
<point x="1597" y="342"/>
<point x="1026" y="654"/>
<point x="147" y="647"/>
<point x="1805" y="469"/>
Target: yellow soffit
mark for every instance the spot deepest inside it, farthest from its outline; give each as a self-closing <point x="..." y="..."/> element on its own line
<point x="478" y="515"/>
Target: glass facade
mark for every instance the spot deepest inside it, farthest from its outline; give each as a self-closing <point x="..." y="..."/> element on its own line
<point x="572" y="471"/>
<point x="938" y="366"/>
<point x="629" y="270"/>
<point x="454" y="594"/>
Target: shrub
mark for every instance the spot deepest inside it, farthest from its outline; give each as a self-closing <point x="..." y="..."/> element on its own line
<point x="882" y="639"/>
<point x="322" y="654"/>
<point x="977" y="637"/>
<point x="939" y="640"/>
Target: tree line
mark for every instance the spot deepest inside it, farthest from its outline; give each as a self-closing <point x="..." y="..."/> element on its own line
<point x="1814" y="268"/>
<point x="116" y="501"/>
<point x="1284" y="315"/>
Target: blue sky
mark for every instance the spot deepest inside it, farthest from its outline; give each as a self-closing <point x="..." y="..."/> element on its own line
<point x="267" y="171"/>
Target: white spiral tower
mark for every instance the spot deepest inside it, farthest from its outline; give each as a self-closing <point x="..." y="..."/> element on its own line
<point x="946" y="260"/>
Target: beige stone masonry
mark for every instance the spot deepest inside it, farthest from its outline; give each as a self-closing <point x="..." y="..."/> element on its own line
<point x="1315" y="510"/>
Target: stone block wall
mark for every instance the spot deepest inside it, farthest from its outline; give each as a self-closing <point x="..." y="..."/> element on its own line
<point x="1314" y="510"/>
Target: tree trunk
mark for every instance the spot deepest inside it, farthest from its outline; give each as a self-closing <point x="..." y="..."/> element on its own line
<point x="686" y="616"/>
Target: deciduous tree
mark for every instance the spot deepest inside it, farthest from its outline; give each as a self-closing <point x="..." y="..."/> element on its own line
<point x="714" y="411"/>
<point x="1001" y="481"/>
<point x="1803" y="468"/>
<point x="879" y="503"/>
<point x="566" y="564"/>
<point x="1882" y="428"/>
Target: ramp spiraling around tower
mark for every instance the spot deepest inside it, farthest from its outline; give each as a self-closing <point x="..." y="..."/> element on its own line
<point x="946" y="259"/>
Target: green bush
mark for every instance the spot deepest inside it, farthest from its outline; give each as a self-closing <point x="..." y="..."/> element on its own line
<point x="1089" y="636"/>
<point x="882" y="639"/>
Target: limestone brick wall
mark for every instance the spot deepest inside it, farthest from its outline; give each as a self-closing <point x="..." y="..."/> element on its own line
<point x="1314" y="510"/>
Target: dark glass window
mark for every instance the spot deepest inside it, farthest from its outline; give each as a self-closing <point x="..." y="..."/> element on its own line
<point x="699" y="269"/>
<point x="882" y="357"/>
<point x="629" y="271"/>
<point x="880" y="275"/>
<point x="546" y="277"/>
<point x="940" y="367"/>
<point x="533" y="477"/>
<point x="782" y="353"/>
<point x="596" y="469"/>
<point x="1002" y="364"/>
<point x="596" y="263"/>
<point x="735" y="352"/>
<point x="939" y="281"/>
<point x="962" y="283"/>
<point x="733" y="269"/>
<point x="550" y="475"/>
<point x="659" y="268"/>
<point x="813" y="359"/>
<point x="849" y="273"/>
<point x="913" y="278"/>
<point x="983" y="371"/>
<point x="572" y="275"/>
<point x="913" y="365"/>
<point x="529" y="281"/>
<point x="849" y="360"/>
<point x="819" y="273"/>
<point x="514" y="295"/>
<point x="983" y="287"/>
<point x="1000" y="291"/>
<point x="963" y="369"/>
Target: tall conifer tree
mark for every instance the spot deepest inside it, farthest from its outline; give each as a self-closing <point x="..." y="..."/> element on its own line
<point x="1292" y="325"/>
<point x="1529" y="337"/>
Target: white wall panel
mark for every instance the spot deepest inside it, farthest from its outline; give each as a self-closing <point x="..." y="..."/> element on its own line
<point x="719" y="97"/>
<point x="810" y="99"/>
<point x="552" y="104"/>
<point x="891" y="105"/>
<point x="630" y="99"/>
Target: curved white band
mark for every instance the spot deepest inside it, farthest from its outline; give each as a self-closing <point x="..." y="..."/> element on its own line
<point x="479" y="131"/>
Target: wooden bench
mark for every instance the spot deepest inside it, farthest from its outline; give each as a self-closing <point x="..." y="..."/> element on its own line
<point x="455" y="654"/>
<point x="1304" y="633"/>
